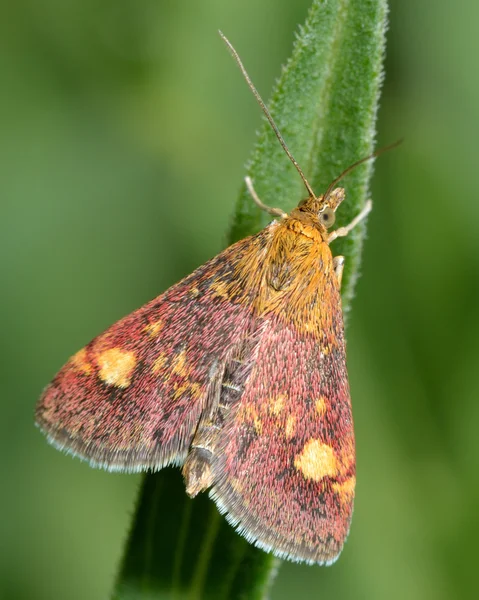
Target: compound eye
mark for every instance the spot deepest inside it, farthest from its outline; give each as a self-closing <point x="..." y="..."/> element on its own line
<point x="327" y="217"/>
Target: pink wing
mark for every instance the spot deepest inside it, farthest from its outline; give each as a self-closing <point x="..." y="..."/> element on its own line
<point x="284" y="469"/>
<point x="131" y="399"/>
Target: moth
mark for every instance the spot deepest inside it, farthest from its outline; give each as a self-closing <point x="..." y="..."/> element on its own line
<point x="237" y="374"/>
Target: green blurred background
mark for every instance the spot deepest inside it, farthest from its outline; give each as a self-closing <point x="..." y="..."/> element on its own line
<point x="124" y="129"/>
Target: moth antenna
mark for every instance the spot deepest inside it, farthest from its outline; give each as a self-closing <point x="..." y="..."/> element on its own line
<point x="266" y="113"/>
<point x="382" y="150"/>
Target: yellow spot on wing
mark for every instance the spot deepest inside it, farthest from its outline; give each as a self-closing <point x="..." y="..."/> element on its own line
<point x="345" y="490"/>
<point x="220" y="289"/>
<point x="80" y="362"/>
<point x="159" y="363"/>
<point x="276" y="404"/>
<point x="317" y="460"/>
<point x="320" y="405"/>
<point x="249" y="414"/>
<point x="258" y="425"/>
<point x="290" y="427"/>
<point x="154" y="328"/>
<point x="191" y="388"/>
<point x="194" y="292"/>
<point x="178" y="363"/>
<point x="116" y="366"/>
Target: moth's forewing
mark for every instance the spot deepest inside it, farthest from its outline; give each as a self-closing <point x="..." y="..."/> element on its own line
<point x="284" y="470"/>
<point x="131" y="399"/>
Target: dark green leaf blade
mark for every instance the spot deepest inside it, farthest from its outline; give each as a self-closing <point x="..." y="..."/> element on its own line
<point x="180" y="548"/>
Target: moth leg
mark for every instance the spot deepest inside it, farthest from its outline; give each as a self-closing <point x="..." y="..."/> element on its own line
<point x="343" y="231"/>
<point x="276" y="212"/>
<point x="338" y="264"/>
<point x="197" y="468"/>
<point x="225" y="395"/>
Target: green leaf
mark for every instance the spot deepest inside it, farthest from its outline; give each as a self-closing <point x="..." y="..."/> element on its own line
<point x="325" y="104"/>
<point x="180" y="548"/>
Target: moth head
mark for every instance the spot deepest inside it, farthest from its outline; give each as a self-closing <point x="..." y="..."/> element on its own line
<point x="324" y="207"/>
